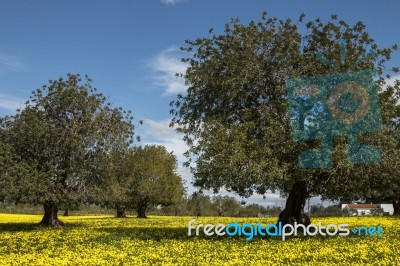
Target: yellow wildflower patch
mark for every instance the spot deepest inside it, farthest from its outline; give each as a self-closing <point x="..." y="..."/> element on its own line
<point x="105" y="240"/>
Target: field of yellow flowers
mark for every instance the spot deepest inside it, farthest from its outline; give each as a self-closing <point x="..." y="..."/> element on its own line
<point x="104" y="240"/>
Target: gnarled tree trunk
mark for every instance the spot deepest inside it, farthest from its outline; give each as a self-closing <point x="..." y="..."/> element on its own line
<point x="294" y="209"/>
<point x="396" y="206"/>
<point x="141" y="211"/>
<point x="121" y="212"/>
<point x="50" y="217"/>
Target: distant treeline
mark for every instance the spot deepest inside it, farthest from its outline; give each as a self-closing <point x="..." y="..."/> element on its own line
<point x="195" y="205"/>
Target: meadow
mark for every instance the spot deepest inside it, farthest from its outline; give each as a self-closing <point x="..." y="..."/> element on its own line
<point x="160" y="240"/>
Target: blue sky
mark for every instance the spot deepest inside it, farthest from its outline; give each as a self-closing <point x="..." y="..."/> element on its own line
<point x="129" y="48"/>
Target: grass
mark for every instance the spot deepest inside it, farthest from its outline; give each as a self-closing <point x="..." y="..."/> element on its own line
<point x="105" y="240"/>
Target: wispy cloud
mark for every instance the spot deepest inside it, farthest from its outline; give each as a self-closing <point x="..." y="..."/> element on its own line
<point x="10" y="103"/>
<point x="172" y="2"/>
<point x="159" y="133"/>
<point x="10" y="63"/>
<point x="165" y="67"/>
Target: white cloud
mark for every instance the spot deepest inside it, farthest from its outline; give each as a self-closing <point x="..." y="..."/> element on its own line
<point x="171" y="2"/>
<point x="10" y="103"/>
<point x="159" y="132"/>
<point x="165" y="67"/>
<point x="10" y="63"/>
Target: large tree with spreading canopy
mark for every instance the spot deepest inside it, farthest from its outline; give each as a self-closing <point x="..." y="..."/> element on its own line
<point x="235" y="116"/>
<point x="56" y="145"/>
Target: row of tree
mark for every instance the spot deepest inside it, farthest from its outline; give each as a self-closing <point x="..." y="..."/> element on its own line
<point x="199" y="204"/>
<point x="69" y="145"/>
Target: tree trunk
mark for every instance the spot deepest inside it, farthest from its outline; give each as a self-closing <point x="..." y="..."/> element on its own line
<point x="121" y="212"/>
<point x="294" y="209"/>
<point x="396" y="206"/>
<point x="141" y="211"/>
<point x="66" y="213"/>
<point x="50" y="217"/>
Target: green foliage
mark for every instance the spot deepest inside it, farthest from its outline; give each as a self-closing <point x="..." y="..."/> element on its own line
<point x="378" y="212"/>
<point x="270" y="210"/>
<point x="353" y="212"/>
<point x="143" y="177"/>
<point x="55" y="144"/>
<point x="177" y="209"/>
<point x="114" y="188"/>
<point x="250" y="210"/>
<point x="332" y="210"/>
<point x="226" y="206"/>
<point x="201" y="205"/>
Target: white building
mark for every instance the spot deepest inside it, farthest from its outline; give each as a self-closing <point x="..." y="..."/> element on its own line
<point x="387" y="208"/>
<point x="369" y="209"/>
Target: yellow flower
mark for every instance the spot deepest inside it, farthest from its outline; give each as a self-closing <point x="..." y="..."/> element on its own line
<point x="105" y="240"/>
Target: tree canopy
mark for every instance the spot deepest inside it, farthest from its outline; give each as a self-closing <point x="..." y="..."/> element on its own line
<point x="139" y="178"/>
<point x="235" y="116"/>
<point x="153" y="178"/>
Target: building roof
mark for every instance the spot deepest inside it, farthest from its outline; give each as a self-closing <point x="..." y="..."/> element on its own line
<point x="363" y="206"/>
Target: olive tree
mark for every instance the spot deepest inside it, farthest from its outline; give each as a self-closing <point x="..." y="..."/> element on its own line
<point x="58" y="138"/>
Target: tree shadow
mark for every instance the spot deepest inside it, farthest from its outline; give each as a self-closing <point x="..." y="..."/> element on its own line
<point x="25" y="227"/>
<point x="79" y="218"/>
<point x="168" y="233"/>
<point x="15" y="227"/>
<point x="144" y="233"/>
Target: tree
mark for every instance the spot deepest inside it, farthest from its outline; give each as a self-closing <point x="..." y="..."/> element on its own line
<point x="153" y="178"/>
<point x="378" y="212"/>
<point x="117" y="182"/>
<point x="178" y="209"/>
<point x="353" y="212"/>
<point x="235" y="117"/>
<point x="332" y="210"/>
<point x="70" y="206"/>
<point x="250" y="210"/>
<point x="270" y="210"/>
<point x="226" y="206"/>
<point x="201" y="205"/>
<point x="58" y="139"/>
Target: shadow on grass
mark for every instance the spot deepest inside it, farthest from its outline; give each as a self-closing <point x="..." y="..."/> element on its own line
<point x="111" y="231"/>
<point x="167" y="233"/>
<point x="145" y="233"/>
<point x="91" y="218"/>
<point x="25" y="227"/>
